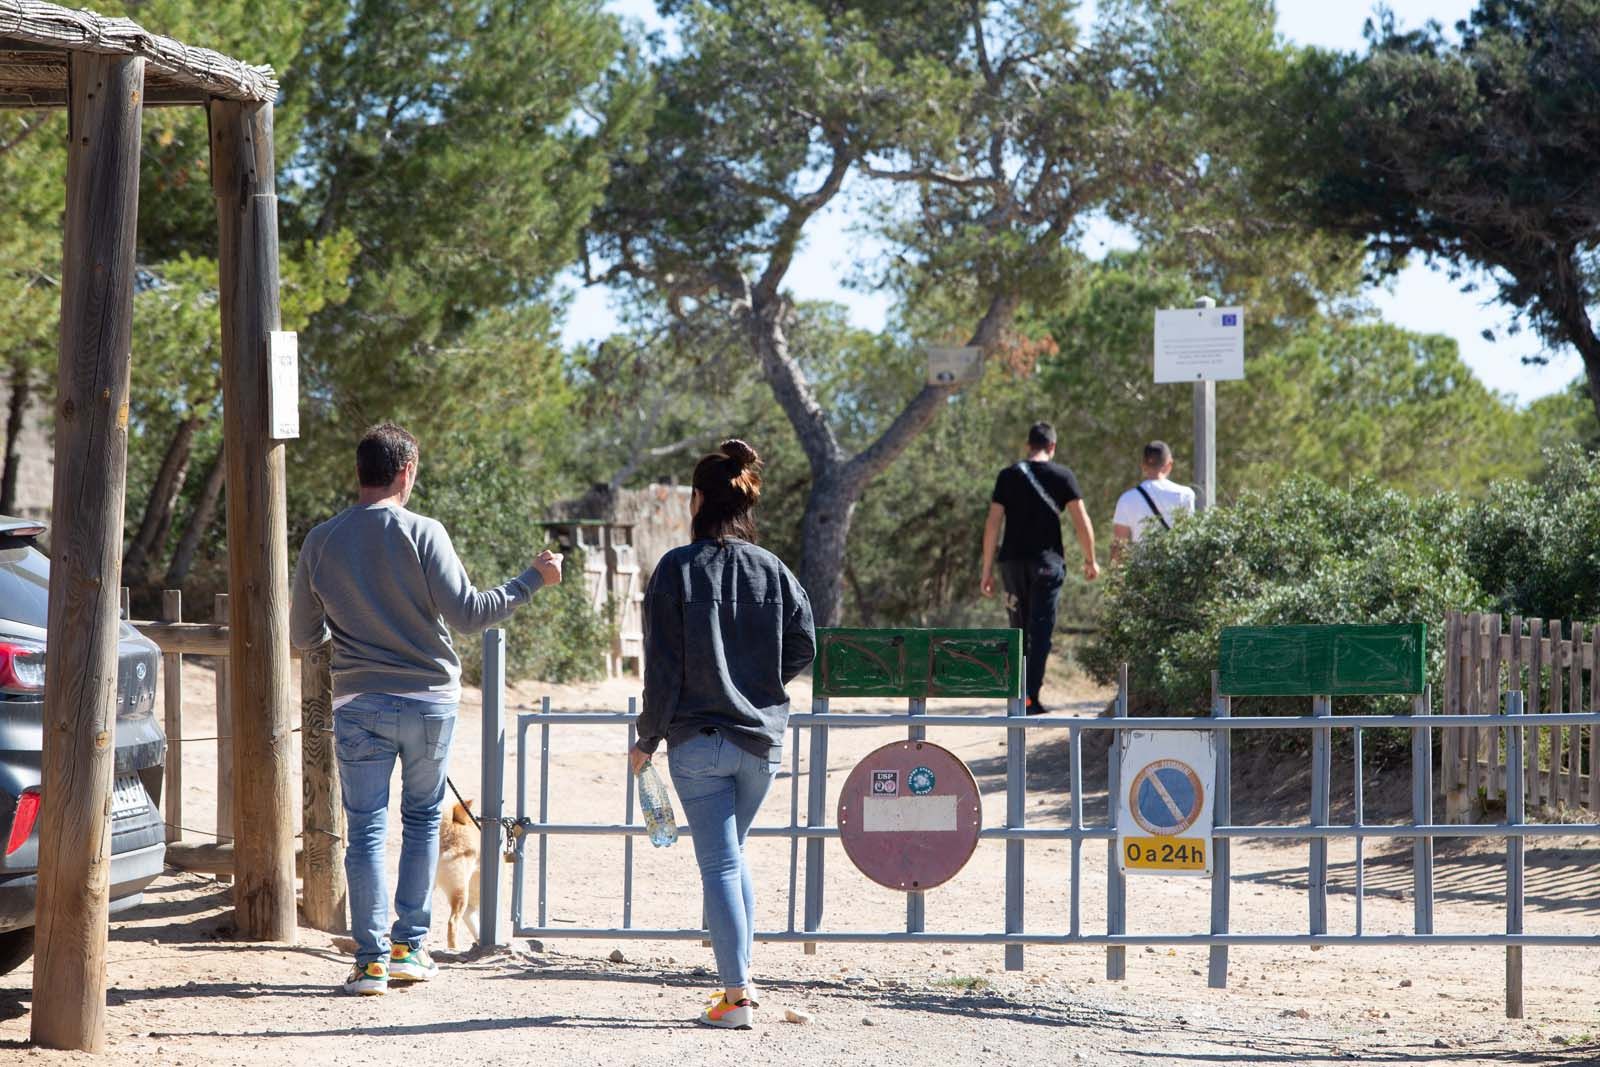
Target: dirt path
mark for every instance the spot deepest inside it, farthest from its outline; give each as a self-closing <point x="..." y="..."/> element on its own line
<point x="184" y="993"/>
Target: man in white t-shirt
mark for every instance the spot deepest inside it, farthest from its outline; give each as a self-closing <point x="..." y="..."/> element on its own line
<point x="1152" y="504"/>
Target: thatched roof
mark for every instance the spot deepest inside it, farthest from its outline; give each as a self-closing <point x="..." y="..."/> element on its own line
<point x="35" y="39"/>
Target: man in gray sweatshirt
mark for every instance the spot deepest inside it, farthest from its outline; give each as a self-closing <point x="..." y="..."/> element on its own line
<point x="384" y="584"/>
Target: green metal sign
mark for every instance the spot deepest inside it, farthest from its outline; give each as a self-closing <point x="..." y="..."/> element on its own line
<point x="919" y="663"/>
<point x="1323" y="660"/>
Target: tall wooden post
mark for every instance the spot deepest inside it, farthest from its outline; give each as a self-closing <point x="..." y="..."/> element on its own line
<point x="172" y="708"/>
<point x="91" y="430"/>
<point x="325" y="893"/>
<point x="258" y="553"/>
<point x="225" y="819"/>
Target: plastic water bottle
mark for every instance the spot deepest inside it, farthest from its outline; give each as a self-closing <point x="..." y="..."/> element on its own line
<point x="656" y="804"/>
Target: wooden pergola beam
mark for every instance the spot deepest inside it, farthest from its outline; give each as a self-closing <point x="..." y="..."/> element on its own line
<point x="55" y="99"/>
<point x="242" y="177"/>
<point x="91" y="431"/>
<point x="212" y="73"/>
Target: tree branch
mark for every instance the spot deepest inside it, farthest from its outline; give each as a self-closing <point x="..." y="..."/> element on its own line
<point x="982" y="46"/>
<point x="927" y="175"/>
<point x="793" y="225"/>
<point x="27" y="131"/>
<point x="876" y="457"/>
<point x="789" y="386"/>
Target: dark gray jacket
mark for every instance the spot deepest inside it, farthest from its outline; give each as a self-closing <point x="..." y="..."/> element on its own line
<point x="726" y="627"/>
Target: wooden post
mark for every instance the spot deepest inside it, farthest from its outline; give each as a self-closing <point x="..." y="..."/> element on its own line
<point x="1473" y="705"/>
<point x="91" y="459"/>
<point x="1531" y="705"/>
<point x="1575" y="705"/>
<point x="1553" y="796"/>
<point x="325" y="895"/>
<point x="225" y="821"/>
<point x="242" y="173"/>
<point x="1594" y="731"/>
<point x="1450" y="738"/>
<point x="172" y="710"/>
<point x="1493" y="706"/>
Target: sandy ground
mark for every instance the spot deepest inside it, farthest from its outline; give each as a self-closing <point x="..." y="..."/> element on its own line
<point x="184" y="992"/>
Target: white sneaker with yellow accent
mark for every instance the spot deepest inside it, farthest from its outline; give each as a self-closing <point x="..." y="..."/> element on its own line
<point x="371" y="980"/>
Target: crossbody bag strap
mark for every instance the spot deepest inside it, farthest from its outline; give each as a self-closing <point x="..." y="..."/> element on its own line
<point x="1049" y="501"/>
<point x="1148" y="499"/>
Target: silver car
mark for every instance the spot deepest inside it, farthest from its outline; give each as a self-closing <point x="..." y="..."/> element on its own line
<point x="137" y="835"/>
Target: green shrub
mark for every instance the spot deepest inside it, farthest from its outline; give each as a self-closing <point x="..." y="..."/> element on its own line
<point x="1303" y="553"/>
<point x="1534" y="547"/>
<point x="479" y="486"/>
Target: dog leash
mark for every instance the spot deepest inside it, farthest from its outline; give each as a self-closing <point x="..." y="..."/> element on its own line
<point x="514" y="829"/>
<point x="464" y="805"/>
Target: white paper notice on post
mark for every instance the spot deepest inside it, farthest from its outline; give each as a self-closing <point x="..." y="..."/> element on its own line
<point x="283" y="384"/>
<point x="1199" y="344"/>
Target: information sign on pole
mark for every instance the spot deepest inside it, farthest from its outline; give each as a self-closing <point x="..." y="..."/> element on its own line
<point x="954" y="366"/>
<point x="283" y="384"/>
<point x="1199" y="344"/>
<point x="1164" y="819"/>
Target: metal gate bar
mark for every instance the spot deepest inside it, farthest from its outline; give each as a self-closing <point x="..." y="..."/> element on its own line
<point x="1318" y="831"/>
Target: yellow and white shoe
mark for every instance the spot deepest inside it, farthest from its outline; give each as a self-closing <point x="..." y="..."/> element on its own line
<point x="371" y="980"/>
<point x="725" y="1016"/>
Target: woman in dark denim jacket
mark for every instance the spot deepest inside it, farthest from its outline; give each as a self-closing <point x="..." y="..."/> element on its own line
<point x="726" y="628"/>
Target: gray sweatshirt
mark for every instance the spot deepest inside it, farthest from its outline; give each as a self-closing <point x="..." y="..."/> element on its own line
<point x="384" y="583"/>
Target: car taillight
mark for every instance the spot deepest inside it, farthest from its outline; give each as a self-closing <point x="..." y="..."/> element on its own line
<point x="21" y="667"/>
<point x="22" y="822"/>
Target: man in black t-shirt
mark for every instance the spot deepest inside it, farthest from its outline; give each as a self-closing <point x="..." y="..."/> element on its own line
<point x="1029" y="498"/>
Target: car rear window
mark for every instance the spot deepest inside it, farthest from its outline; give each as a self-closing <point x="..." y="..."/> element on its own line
<point x="24" y="584"/>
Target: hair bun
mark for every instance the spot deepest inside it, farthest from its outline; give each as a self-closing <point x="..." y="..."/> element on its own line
<point x="739" y="452"/>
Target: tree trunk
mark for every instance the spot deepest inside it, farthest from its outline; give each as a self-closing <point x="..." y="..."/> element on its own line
<point x="205" y="509"/>
<point x="159" y="503"/>
<point x="1565" y="295"/>
<point x="824" y="536"/>
<point x="17" y="411"/>
<point x="837" y="482"/>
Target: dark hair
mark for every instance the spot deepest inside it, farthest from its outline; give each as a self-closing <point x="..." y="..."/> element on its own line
<point x="1041" y="435"/>
<point x="383" y="451"/>
<point x="729" y="481"/>
<point x="1156" y="454"/>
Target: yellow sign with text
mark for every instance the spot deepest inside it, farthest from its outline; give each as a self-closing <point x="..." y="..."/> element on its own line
<point x="1187" y="854"/>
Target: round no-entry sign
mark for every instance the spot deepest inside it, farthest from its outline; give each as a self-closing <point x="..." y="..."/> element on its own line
<point x="909" y="815"/>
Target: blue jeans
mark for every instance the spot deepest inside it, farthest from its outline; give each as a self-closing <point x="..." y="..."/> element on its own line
<point x="721" y="787"/>
<point x="370" y="732"/>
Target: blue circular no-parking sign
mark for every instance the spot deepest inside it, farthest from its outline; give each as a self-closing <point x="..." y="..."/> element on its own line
<point x="1166" y="797"/>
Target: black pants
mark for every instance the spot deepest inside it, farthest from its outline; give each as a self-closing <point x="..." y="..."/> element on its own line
<point x="1032" y="588"/>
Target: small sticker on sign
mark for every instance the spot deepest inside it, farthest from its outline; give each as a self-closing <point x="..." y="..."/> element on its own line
<point x="885" y="783"/>
<point x="920" y="781"/>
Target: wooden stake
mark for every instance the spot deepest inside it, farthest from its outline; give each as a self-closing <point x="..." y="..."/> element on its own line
<point x="1492" y="705"/>
<point x="225" y="820"/>
<point x="258" y="552"/>
<point x="172" y="710"/>
<point x="91" y="459"/>
<point x="325" y="895"/>
<point x="1535" y="685"/>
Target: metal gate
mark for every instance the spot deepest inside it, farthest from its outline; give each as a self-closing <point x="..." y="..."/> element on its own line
<point x="805" y="902"/>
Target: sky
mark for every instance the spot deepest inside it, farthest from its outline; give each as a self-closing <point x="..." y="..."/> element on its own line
<point x="1420" y="298"/>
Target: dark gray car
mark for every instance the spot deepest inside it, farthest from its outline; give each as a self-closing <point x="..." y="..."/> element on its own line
<point x="137" y="835"/>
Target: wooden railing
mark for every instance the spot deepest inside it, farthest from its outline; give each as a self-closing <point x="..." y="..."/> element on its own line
<point x="1486" y="655"/>
<point x="320" y="858"/>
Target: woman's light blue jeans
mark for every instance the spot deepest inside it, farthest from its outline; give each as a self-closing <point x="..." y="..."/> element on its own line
<point x="370" y="732"/>
<point x="721" y="787"/>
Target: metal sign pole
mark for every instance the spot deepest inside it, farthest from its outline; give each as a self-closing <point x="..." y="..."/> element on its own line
<point x="1205" y="434"/>
<point x="494" y="763"/>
